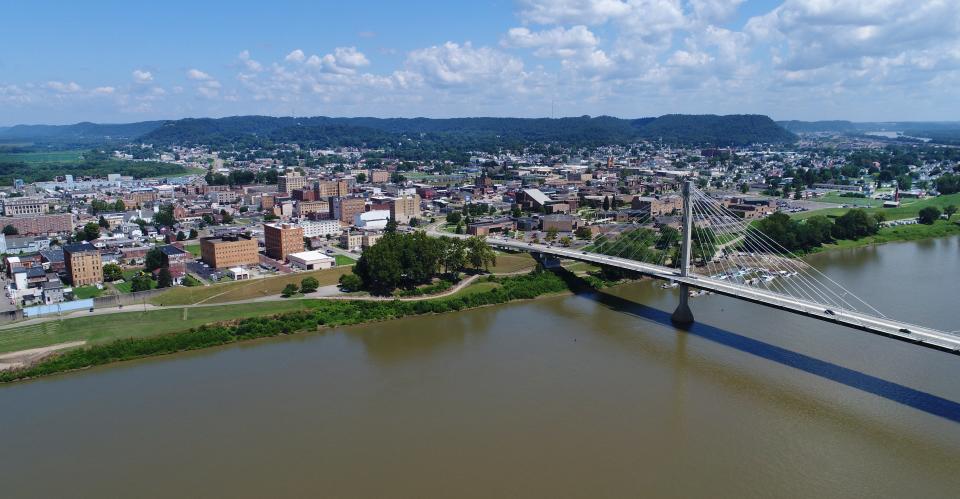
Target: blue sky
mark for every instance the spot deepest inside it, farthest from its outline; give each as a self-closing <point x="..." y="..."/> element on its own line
<point x="111" y="61"/>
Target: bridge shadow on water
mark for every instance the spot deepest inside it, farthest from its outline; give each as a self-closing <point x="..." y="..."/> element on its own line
<point x="889" y="390"/>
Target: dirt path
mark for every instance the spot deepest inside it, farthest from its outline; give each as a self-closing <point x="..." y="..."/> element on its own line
<point x="13" y="360"/>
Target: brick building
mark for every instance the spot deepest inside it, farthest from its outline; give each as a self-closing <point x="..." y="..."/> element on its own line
<point x="282" y="239"/>
<point x="83" y="264"/>
<point x="229" y="251"/>
<point x="404" y="208"/>
<point x="344" y="209"/>
<point x="40" y="224"/>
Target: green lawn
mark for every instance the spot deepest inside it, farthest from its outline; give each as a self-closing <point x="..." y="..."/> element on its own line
<point x="343" y="260"/>
<point x="42" y="157"/>
<point x="513" y="262"/>
<point x="84" y="292"/>
<point x="193" y="249"/>
<point x="127" y="284"/>
<point x="243" y="290"/>
<point x="838" y="199"/>
<point x="101" y="328"/>
<point x="913" y="232"/>
<point x="477" y="287"/>
<point x="908" y="209"/>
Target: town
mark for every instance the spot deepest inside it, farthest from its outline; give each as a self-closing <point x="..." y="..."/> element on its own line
<point x="253" y="214"/>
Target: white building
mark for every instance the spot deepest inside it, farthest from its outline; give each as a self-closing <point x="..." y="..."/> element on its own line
<point x="320" y="228"/>
<point x="372" y="220"/>
<point x="310" y="260"/>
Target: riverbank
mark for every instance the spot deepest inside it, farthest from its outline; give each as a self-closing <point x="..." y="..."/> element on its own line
<point x="315" y="315"/>
<point x="897" y="233"/>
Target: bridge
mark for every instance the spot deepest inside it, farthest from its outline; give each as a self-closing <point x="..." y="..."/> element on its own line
<point x="739" y="261"/>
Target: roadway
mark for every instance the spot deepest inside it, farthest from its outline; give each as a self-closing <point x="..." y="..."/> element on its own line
<point x="903" y="331"/>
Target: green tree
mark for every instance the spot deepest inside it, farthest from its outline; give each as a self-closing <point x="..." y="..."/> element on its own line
<point x="119" y="206"/>
<point x="391" y="227"/>
<point x="154" y="259"/>
<point x="565" y="241"/>
<point x="226" y="217"/>
<point x="454" y="254"/>
<point x="10" y="230"/>
<point x="112" y="272"/>
<point x="584" y="232"/>
<point x="181" y="236"/>
<point x="949" y="210"/>
<point x="91" y="231"/>
<point x="454" y="217"/>
<point x="140" y="282"/>
<point x="309" y="285"/>
<point x="552" y="234"/>
<point x="164" y="278"/>
<point x="361" y="178"/>
<point x="103" y="222"/>
<point x="929" y="215"/>
<point x="350" y="283"/>
<point x="289" y="290"/>
<point x="606" y="203"/>
<point x="193" y="233"/>
<point x="164" y="216"/>
<point x="744" y="188"/>
<point x="479" y="254"/>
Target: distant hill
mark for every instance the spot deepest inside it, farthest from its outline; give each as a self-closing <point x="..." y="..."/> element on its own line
<point x="78" y="134"/>
<point x="470" y="133"/>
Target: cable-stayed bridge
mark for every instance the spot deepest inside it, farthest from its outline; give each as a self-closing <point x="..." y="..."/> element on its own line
<point x="722" y="253"/>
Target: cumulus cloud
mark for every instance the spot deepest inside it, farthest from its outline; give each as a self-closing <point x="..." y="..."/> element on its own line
<point x="104" y="90"/>
<point x="141" y="76"/>
<point x="248" y="63"/>
<point x="197" y="75"/>
<point x="558" y="41"/>
<point x="66" y="88"/>
<point x="452" y="64"/>
<point x="295" y="56"/>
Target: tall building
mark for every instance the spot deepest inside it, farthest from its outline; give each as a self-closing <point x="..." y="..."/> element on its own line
<point x="404" y="208"/>
<point x="331" y="188"/>
<point x="282" y="239"/>
<point x="229" y="251"/>
<point x="292" y="180"/>
<point x="25" y="206"/>
<point x="40" y="224"/>
<point x="83" y="263"/>
<point x="344" y="209"/>
<point x="379" y="176"/>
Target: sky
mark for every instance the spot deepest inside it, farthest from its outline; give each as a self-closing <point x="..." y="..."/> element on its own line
<point x="120" y="61"/>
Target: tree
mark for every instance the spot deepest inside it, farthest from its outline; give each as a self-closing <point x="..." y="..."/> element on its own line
<point x="289" y="290"/>
<point x="454" y="217"/>
<point x="103" y="222"/>
<point x="119" y="206"/>
<point x="949" y="210"/>
<point x="606" y="203"/>
<point x="309" y="285"/>
<point x="361" y="178"/>
<point x="479" y="254"/>
<point x="391" y="227"/>
<point x="584" y="232"/>
<point x="350" y="283"/>
<point x="10" y="230"/>
<point x="454" y="255"/>
<point x="164" y="217"/>
<point x="929" y="215"/>
<point x="552" y="234"/>
<point x="112" y="272"/>
<point x="226" y="217"/>
<point x="140" y="282"/>
<point x="744" y="188"/>
<point x="154" y="259"/>
<point x="91" y="231"/>
<point x="904" y="182"/>
<point x="565" y="241"/>
<point x="164" y="278"/>
<point x="181" y="236"/>
<point x="193" y="233"/>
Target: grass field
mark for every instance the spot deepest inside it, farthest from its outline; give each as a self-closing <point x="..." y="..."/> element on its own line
<point x="101" y="328"/>
<point x="914" y="232"/>
<point x="343" y="260"/>
<point x="127" y="284"/>
<point x="838" y="199"/>
<point x="909" y="209"/>
<point x="84" y="292"/>
<point x="42" y="157"/>
<point x="244" y="290"/>
<point x="194" y="249"/>
<point x="513" y="262"/>
<point x="477" y="287"/>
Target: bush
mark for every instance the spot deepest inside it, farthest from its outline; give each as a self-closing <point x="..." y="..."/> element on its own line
<point x="309" y="285"/>
<point x="289" y="290"/>
<point x="350" y="283"/>
<point x="929" y="215"/>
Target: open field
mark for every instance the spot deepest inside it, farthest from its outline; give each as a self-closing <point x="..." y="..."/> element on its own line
<point x="84" y="292"/>
<point x="42" y="157"/>
<point x="193" y="249"/>
<point x="513" y="262"/>
<point x="343" y="259"/>
<point x="838" y="199"/>
<point x="244" y="290"/>
<point x="102" y="328"/>
<point x="127" y="284"/>
<point x="909" y="209"/>
<point x="913" y="232"/>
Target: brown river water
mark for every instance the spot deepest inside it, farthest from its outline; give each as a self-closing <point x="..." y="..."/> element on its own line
<point x="591" y="395"/>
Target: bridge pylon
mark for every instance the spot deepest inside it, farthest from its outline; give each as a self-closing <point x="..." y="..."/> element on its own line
<point x="682" y="316"/>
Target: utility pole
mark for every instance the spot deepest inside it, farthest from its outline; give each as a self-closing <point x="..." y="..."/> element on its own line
<point x="682" y="316"/>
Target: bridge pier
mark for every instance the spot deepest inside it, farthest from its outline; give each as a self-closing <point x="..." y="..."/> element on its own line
<point x="682" y="316"/>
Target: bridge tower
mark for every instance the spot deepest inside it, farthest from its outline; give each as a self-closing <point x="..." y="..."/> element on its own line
<point x="682" y="316"/>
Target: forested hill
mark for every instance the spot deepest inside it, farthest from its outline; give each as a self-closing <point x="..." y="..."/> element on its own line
<point x="470" y="133"/>
<point x="77" y="134"/>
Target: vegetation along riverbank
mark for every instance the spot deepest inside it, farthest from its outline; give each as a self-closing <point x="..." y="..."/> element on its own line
<point x="317" y="314"/>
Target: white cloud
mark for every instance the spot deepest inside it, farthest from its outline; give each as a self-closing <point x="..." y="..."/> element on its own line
<point x="196" y="74"/>
<point x="295" y="56"/>
<point x="104" y="90"/>
<point x="558" y="41"/>
<point x="141" y="76"/>
<point x="452" y="64"/>
<point x="66" y="88"/>
<point x="572" y="11"/>
<point x="248" y="63"/>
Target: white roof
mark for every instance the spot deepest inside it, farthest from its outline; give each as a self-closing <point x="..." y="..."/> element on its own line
<point x="537" y="195"/>
<point x="310" y="256"/>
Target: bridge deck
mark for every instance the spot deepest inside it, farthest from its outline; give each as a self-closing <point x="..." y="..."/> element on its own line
<point x="903" y="331"/>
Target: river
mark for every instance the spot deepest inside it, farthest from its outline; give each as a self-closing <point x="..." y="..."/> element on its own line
<point x="593" y="395"/>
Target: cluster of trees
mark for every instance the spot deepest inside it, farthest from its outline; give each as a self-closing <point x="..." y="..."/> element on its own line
<point x="307" y="285"/>
<point x="408" y="260"/>
<point x="948" y="183"/>
<point x="807" y="234"/>
<point x="95" y="163"/>
<point x="98" y="206"/>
